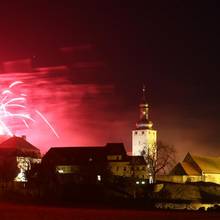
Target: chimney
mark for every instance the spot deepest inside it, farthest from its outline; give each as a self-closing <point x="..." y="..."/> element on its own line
<point x="24" y="137"/>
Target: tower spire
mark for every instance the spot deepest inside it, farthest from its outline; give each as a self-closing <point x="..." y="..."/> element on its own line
<point x="144" y="137"/>
<point x="143" y="112"/>
<point x="144" y="93"/>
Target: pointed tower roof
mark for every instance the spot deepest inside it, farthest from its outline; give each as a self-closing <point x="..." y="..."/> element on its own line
<point x="143" y="99"/>
<point x="144" y="121"/>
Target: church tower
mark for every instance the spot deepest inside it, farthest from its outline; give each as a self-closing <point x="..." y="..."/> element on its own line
<point x="144" y="137"/>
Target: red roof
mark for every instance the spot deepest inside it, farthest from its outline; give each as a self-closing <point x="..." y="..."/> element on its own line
<point x="19" y="144"/>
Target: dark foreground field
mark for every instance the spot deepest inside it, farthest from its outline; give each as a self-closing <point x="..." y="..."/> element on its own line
<point x="26" y="212"/>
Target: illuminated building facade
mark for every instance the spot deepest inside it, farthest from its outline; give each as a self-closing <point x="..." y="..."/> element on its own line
<point x="195" y="168"/>
<point x="120" y="164"/>
<point x="144" y="137"/>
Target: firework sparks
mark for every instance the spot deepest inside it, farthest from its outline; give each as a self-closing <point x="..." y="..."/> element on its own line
<point x="15" y="83"/>
<point x="47" y="122"/>
<point x="13" y="106"/>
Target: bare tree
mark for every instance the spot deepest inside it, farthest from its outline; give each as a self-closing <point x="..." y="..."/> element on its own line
<point x="161" y="160"/>
<point x="166" y="158"/>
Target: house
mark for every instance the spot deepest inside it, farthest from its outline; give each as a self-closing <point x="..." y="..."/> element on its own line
<point x="17" y="156"/>
<point x="195" y="169"/>
<point x="121" y="164"/>
<point x="118" y="162"/>
<point x="83" y="165"/>
<point x="74" y="164"/>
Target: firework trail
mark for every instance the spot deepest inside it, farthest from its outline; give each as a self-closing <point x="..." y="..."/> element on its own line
<point x="47" y="122"/>
<point x="13" y="106"/>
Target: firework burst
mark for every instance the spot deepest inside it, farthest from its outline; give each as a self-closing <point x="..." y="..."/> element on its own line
<point x="13" y="108"/>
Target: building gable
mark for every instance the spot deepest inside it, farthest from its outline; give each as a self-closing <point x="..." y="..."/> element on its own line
<point x="190" y="160"/>
<point x="178" y="170"/>
<point x="115" y="151"/>
<point x="19" y="147"/>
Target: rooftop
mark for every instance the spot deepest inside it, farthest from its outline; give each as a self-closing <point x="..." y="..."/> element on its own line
<point x="19" y="144"/>
<point x="75" y="155"/>
<point x="207" y="164"/>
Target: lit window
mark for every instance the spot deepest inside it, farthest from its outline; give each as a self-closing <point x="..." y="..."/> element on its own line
<point x="137" y="182"/>
<point x="23" y="164"/>
<point x="142" y="182"/>
<point x="99" y="178"/>
<point x="60" y="171"/>
<point x="150" y="179"/>
<point x="65" y="169"/>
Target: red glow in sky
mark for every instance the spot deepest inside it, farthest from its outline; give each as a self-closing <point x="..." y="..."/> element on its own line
<point x="66" y="106"/>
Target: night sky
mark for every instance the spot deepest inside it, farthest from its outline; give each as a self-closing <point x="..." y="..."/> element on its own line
<point x="172" y="48"/>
